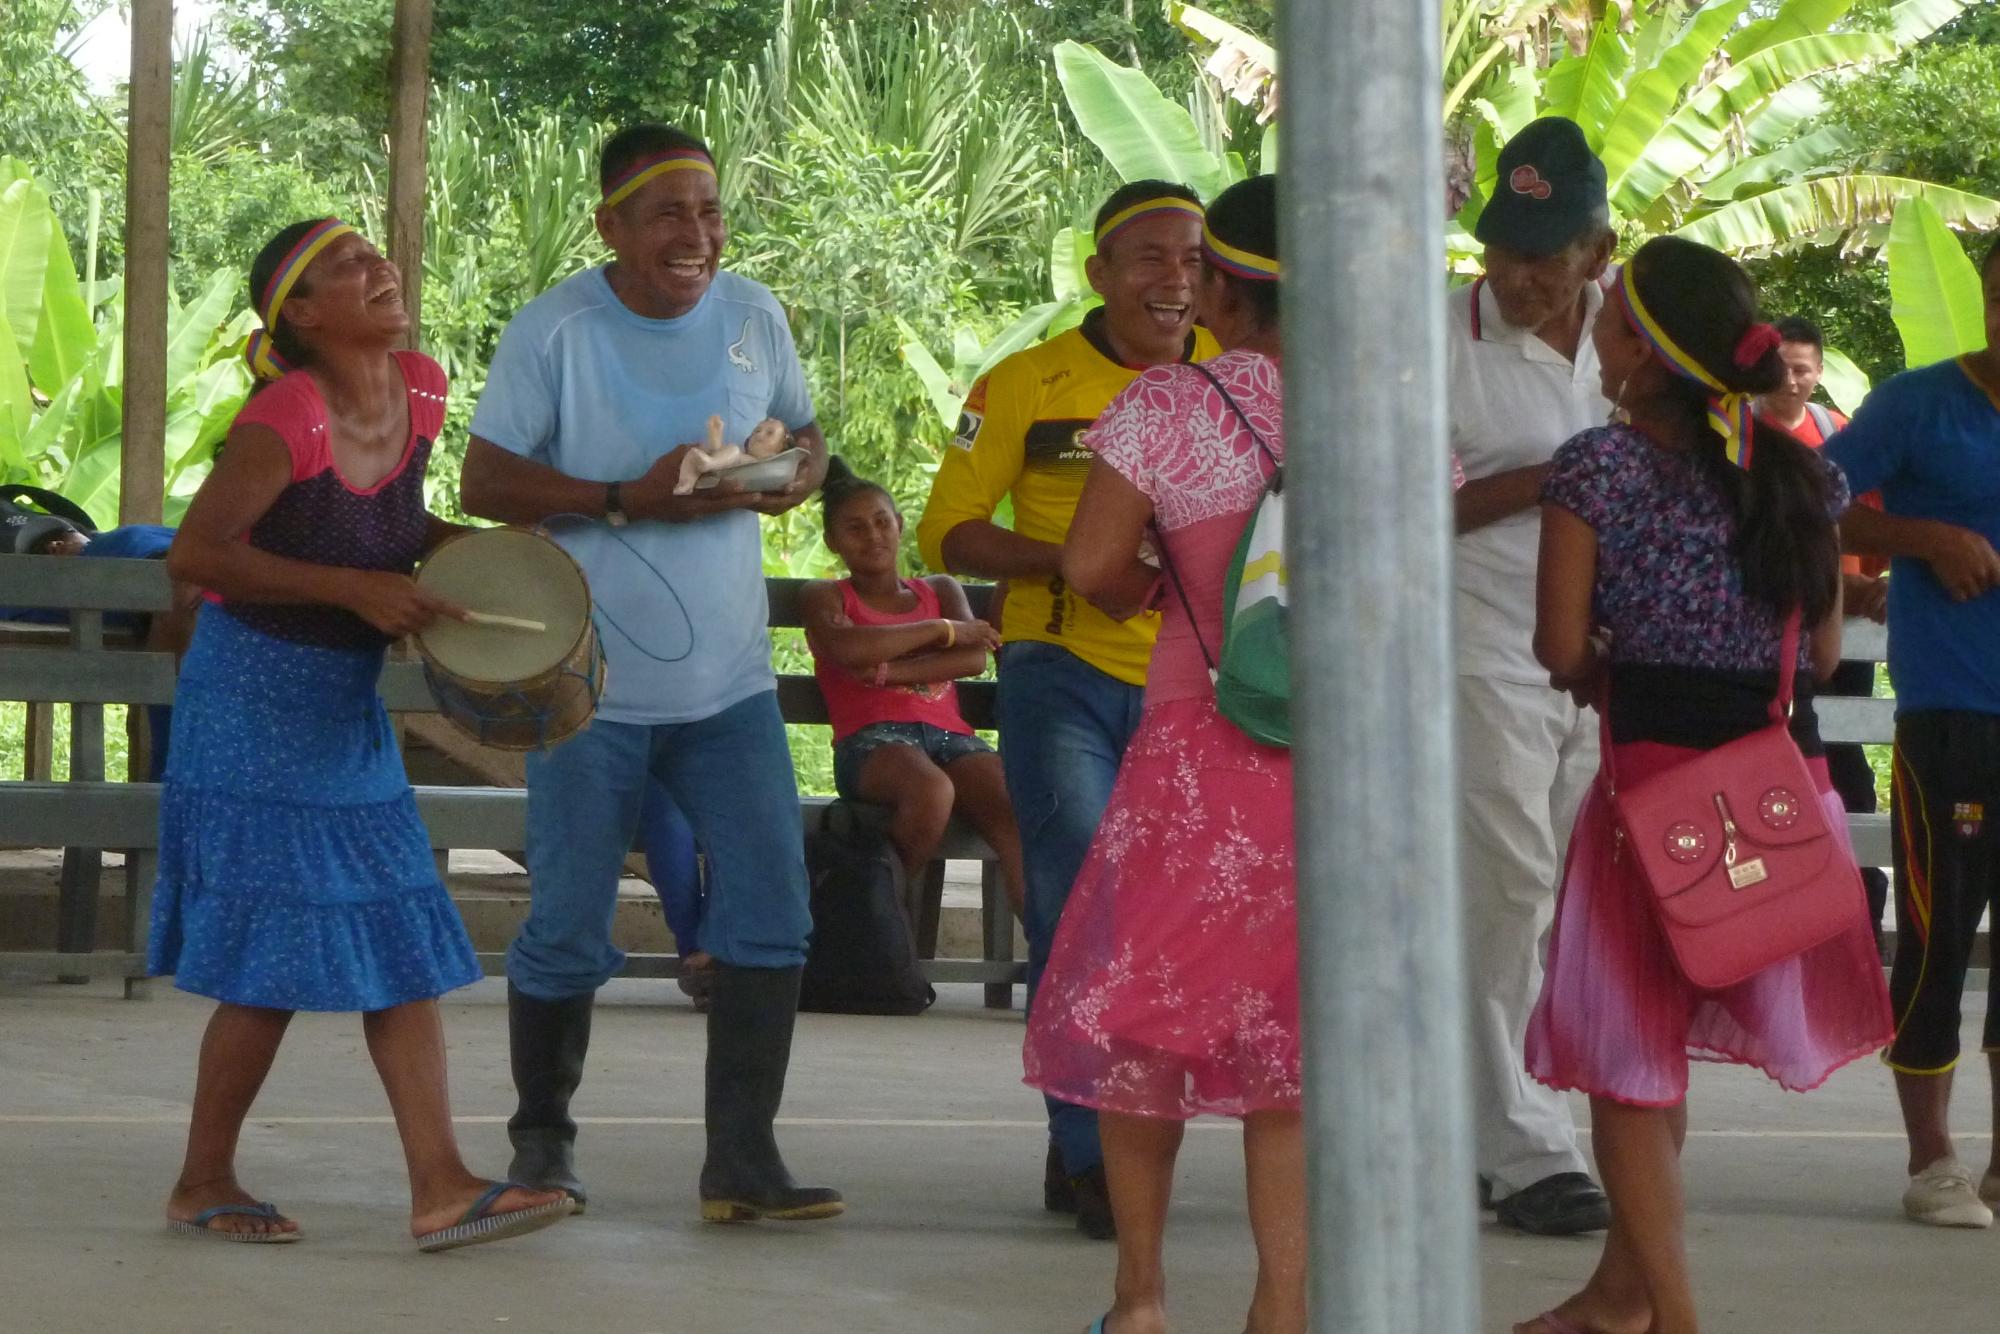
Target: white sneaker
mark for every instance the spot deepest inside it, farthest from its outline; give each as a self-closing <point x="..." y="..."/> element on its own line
<point x="1942" y="1195"/>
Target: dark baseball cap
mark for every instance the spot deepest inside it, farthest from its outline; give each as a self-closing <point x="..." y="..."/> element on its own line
<point x="1550" y="189"/>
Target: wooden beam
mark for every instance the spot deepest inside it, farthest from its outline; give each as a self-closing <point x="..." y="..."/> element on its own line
<point x="149" y="118"/>
<point x="410" y="88"/>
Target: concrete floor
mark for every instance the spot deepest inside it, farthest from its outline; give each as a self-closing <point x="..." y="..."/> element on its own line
<point x="920" y="1121"/>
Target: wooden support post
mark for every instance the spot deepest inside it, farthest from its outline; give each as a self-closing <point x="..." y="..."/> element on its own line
<point x="410" y="87"/>
<point x="142" y="464"/>
<point x="39" y="752"/>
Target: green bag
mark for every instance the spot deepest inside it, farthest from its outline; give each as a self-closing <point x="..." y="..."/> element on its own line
<point x="1253" y="674"/>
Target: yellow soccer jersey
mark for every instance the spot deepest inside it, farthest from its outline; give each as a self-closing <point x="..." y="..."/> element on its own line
<point x="1020" y="434"/>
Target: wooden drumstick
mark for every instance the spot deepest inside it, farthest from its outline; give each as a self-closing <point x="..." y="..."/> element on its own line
<point x="504" y="622"/>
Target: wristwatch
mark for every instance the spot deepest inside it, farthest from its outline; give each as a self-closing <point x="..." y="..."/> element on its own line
<point x="614" y="509"/>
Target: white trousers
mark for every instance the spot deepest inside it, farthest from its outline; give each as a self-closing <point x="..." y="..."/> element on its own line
<point x="1526" y="757"/>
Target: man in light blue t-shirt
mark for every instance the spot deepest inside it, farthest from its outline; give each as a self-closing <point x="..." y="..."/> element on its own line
<point x="594" y="395"/>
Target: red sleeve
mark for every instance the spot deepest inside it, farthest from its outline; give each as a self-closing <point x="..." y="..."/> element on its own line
<point x="428" y="393"/>
<point x="293" y="409"/>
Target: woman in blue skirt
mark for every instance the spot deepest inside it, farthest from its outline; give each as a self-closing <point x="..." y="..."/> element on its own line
<point x="295" y="873"/>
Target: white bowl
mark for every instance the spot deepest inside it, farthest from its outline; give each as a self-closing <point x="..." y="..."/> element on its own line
<point x="772" y="474"/>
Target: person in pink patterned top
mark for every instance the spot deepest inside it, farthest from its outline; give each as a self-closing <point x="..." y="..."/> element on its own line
<point x="1172" y="987"/>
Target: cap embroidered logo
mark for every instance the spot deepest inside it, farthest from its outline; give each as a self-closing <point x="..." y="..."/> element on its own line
<point x="1527" y="181"/>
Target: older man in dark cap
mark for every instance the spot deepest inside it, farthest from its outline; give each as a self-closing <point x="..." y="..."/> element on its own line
<point x="1522" y="379"/>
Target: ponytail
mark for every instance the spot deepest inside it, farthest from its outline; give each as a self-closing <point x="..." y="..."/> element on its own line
<point x="1786" y="547"/>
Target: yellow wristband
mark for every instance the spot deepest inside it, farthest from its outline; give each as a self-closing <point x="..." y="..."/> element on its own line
<point x="950" y="634"/>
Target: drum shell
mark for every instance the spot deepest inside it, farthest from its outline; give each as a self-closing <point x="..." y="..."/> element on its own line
<point x="534" y="712"/>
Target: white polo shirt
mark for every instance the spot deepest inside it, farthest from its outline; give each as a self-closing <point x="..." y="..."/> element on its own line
<point x="1514" y="401"/>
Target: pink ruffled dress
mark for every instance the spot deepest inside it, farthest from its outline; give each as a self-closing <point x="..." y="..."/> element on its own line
<point x="1172" y="986"/>
<point x="1693" y="660"/>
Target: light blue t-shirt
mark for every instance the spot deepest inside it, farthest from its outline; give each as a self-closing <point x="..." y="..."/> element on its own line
<point x="586" y="386"/>
<point x="1929" y="441"/>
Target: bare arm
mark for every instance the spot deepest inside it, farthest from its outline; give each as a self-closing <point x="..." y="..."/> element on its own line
<point x="1101" y="559"/>
<point x="985" y="550"/>
<point x="1564" y="588"/>
<point x="1826" y="639"/>
<point x="208" y="551"/>
<point x="949" y="648"/>
<point x="1963" y="561"/>
<point x="1486" y="500"/>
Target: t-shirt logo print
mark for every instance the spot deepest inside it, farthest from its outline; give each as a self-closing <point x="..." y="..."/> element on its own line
<point x="1525" y="180"/>
<point x="738" y="357"/>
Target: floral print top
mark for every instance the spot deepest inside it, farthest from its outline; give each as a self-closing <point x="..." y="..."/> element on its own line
<point x="1668" y="586"/>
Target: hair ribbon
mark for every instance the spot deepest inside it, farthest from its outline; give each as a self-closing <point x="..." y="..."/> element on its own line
<point x="651" y="168"/>
<point x="1729" y="412"/>
<point x="262" y="351"/>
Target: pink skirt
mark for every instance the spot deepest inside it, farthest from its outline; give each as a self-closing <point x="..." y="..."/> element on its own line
<point x="1172" y="988"/>
<point x="1617" y="1020"/>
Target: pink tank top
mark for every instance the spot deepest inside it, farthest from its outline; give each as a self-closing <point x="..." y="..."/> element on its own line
<point x="852" y="703"/>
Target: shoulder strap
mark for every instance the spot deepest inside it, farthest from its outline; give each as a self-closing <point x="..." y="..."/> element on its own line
<point x="1823" y="420"/>
<point x="1166" y="560"/>
<point x="1781" y="703"/>
<point x="1241" y="415"/>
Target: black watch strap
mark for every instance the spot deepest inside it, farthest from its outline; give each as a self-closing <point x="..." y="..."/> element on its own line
<point x="614" y="505"/>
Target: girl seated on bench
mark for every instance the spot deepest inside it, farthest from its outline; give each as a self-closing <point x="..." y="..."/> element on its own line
<point x="886" y="651"/>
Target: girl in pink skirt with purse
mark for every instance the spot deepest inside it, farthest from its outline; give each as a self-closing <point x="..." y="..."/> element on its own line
<point x="1685" y="549"/>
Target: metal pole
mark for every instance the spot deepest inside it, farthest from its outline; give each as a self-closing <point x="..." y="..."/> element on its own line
<point x="148" y="144"/>
<point x="1393" y="1247"/>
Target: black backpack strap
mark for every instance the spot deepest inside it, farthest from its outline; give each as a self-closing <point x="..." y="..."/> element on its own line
<point x="47" y="502"/>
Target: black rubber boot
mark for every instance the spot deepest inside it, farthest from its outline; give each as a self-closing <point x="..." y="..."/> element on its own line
<point x="547" y="1041"/>
<point x="750" y="1018"/>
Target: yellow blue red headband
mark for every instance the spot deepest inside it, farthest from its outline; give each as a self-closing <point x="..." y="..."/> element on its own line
<point x="1146" y="208"/>
<point x="1235" y="260"/>
<point x="654" y="166"/>
<point x="1729" y="412"/>
<point x="261" y="352"/>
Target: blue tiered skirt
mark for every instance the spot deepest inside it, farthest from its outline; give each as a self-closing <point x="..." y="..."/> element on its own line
<point x="295" y="873"/>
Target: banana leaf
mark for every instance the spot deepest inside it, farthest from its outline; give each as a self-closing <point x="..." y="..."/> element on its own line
<point x="1933" y="288"/>
<point x="1141" y="133"/>
<point x="1798" y="160"/>
<point x="1653" y="93"/>
<point x="1845" y="383"/>
<point x="65" y="335"/>
<point x="25" y="224"/>
<point x="190" y="327"/>
<point x="1799" y="18"/>
<point x="946" y="399"/>
<point x="1589" y="88"/>
<point x="1701" y="129"/>
<point x="17" y="407"/>
<point x="1913" y="20"/>
<point x="1823" y="208"/>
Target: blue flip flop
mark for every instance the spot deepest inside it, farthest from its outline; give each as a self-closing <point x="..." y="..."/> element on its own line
<point x="1098" y="1328"/>
<point x="478" y="1225"/>
<point x="198" y="1226"/>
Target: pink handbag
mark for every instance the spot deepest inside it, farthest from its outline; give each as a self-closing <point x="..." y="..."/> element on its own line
<point x="1735" y="846"/>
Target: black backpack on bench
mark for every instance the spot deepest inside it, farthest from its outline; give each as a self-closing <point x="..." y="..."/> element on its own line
<point x="864" y="956"/>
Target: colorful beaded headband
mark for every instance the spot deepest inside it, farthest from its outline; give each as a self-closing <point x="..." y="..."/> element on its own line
<point x="659" y="164"/>
<point x="261" y="351"/>
<point x="1729" y="412"/>
<point x="1233" y="260"/>
<point x="1124" y="217"/>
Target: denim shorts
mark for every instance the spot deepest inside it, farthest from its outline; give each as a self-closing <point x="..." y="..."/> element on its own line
<point x="852" y="751"/>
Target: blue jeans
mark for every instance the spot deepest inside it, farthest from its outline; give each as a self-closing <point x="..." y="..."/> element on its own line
<point x="1064" y="726"/>
<point x="730" y="775"/>
<point x="673" y="862"/>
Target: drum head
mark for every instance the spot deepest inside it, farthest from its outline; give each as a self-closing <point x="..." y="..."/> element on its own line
<point x="507" y="572"/>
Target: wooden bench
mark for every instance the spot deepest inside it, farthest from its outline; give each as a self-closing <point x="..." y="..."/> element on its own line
<point x="86" y="668"/>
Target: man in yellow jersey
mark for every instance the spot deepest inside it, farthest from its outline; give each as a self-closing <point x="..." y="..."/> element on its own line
<point x="1071" y="678"/>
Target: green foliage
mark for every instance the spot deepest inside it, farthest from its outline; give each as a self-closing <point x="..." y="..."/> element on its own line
<point x="61" y="397"/>
<point x="1937" y="302"/>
